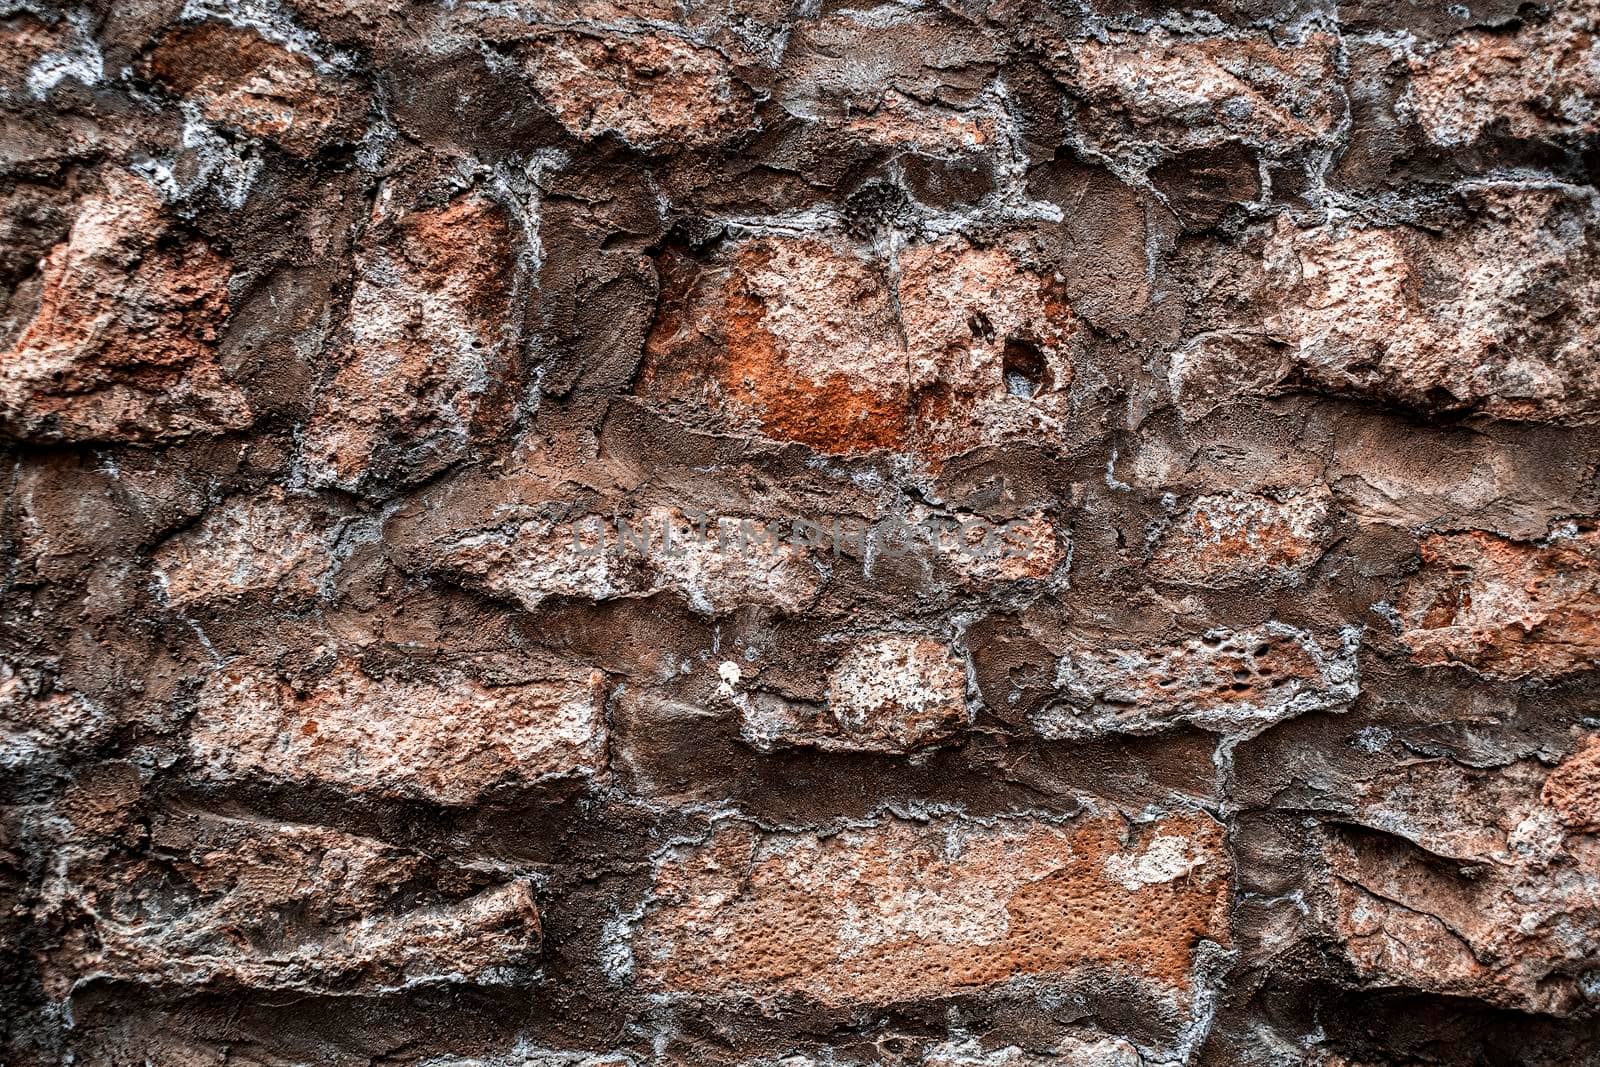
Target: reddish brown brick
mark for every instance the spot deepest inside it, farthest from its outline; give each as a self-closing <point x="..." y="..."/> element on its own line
<point x="897" y="911"/>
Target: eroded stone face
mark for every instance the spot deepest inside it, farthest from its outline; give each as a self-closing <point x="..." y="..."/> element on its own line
<point x="651" y="87"/>
<point x="122" y="340"/>
<point x="892" y="693"/>
<point x="431" y="364"/>
<point x="1505" y="608"/>
<point x="716" y="569"/>
<point x="277" y="547"/>
<point x="898" y="911"/>
<point x="1473" y="885"/>
<point x="443" y="735"/>
<point x="1541" y="81"/>
<point x="274" y="906"/>
<point x="241" y="80"/>
<point x="806" y="341"/>
<point x="1231" y="682"/>
<point x="904" y="81"/>
<point x="1178" y="94"/>
<point x="1228" y="539"/>
<point x="1495" y="315"/>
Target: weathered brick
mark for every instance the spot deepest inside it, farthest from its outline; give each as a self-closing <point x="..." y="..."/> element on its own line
<point x="810" y="342"/>
<point x="923" y="79"/>
<point x="895" y="911"/>
<point x="1179" y="93"/>
<point x="715" y="568"/>
<point x="1071" y="1051"/>
<point x="1573" y="788"/>
<point x="1506" y="328"/>
<point x="431" y="363"/>
<point x="239" y="79"/>
<point x="443" y="735"/>
<point x="891" y="693"/>
<point x="275" y="546"/>
<point x="1541" y="81"/>
<point x="1232" y="682"/>
<point x="983" y="553"/>
<point x="649" y="87"/>
<point x="39" y="723"/>
<point x="34" y="52"/>
<point x="122" y="342"/>
<point x="1505" y="608"/>
<point x="1229" y="539"/>
<point x="263" y="905"/>
<point x="1474" y="886"/>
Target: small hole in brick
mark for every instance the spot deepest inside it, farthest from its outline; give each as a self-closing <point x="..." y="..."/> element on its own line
<point x="982" y="329"/>
<point x="1024" y="368"/>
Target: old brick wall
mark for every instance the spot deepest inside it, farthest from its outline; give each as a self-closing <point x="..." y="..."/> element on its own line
<point x="800" y="532"/>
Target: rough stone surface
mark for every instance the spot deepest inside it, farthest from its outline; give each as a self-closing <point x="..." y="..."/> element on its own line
<point x="892" y="693"/>
<point x="446" y="739"/>
<point x="1489" y="893"/>
<point x="1505" y="608"/>
<point x="431" y="360"/>
<point x="239" y="79"/>
<point x="1225" y="681"/>
<point x="950" y="347"/>
<point x="1230" y="539"/>
<point x="761" y="533"/>
<point x="1181" y="93"/>
<point x="121" y="343"/>
<point x="1543" y="80"/>
<point x="648" y="88"/>
<point x="1494" y="314"/>
<point x="274" y="906"/>
<point x="894" y="912"/>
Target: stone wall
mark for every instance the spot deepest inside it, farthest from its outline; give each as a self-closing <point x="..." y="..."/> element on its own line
<point x="793" y="532"/>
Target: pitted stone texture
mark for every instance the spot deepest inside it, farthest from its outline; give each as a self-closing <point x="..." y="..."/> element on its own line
<point x="717" y="569"/>
<point x="1229" y="682"/>
<point x="1507" y="609"/>
<point x="443" y="735"/>
<point x="652" y="88"/>
<point x="898" y="911"/>
<point x="1497" y="316"/>
<point x="892" y="693"/>
<point x="1174" y="93"/>
<point x="431" y="363"/>
<point x="274" y="546"/>
<point x="1472" y="886"/>
<point x="273" y="906"/>
<point x="983" y="553"/>
<point x="1543" y="81"/>
<point x="122" y="341"/>
<point x="1573" y="788"/>
<point x="806" y="341"/>
<point x="239" y="79"/>
<point x="1230" y="539"/>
